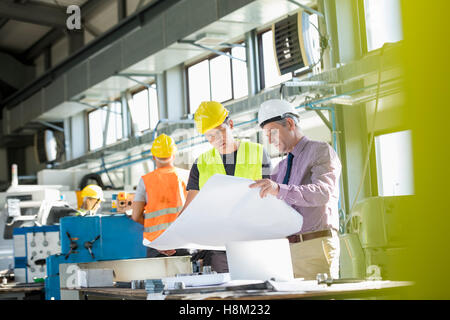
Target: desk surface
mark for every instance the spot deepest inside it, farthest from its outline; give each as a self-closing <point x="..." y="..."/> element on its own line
<point x="13" y="287"/>
<point x="336" y="291"/>
<point x="121" y="293"/>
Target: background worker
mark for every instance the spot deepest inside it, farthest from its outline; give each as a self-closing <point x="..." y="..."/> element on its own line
<point x="159" y="196"/>
<point x="228" y="156"/>
<point x="92" y="196"/>
<point x="308" y="180"/>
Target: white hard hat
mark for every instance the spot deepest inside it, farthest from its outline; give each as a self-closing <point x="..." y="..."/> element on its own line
<point x="92" y="191"/>
<point x="273" y="110"/>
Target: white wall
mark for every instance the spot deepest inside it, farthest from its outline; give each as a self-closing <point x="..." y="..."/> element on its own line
<point x="78" y="135"/>
<point x="175" y="96"/>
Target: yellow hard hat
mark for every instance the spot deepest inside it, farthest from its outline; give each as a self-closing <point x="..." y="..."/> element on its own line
<point x="209" y="115"/>
<point x="163" y="146"/>
<point x="92" y="191"/>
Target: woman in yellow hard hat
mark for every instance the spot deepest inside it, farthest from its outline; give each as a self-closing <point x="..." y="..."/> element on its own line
<point x="159" y="196"/>
<point x="228" y="156"/>
<point x="92" y="196"/>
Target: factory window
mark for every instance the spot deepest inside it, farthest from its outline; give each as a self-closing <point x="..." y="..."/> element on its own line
<point x="240" y="82"/>
<point x="199" y="85"/>
<point x="96" y="128"/>
<point x="383" y="22"/>
<point x="220" y="71"/>
<point x="394" y="164"/>
<point x="144" y="109"/>
<point x="97" y="125"/>
<point x="115" y="123"/>
<point x="154" y="106"/>
<point x="217" y="78"/>
<point x="269" y="71"/>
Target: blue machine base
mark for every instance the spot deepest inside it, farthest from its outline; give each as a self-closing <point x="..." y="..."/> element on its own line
<point x="113" y="237"/>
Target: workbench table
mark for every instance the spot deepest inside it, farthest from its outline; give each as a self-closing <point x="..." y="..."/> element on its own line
<point x="362" y="290"/>
<point x="12" y="291"/>
<point x="112" y="293"/>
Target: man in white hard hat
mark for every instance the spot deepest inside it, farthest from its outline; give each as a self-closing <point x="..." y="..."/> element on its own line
<point x="307" y="180"/>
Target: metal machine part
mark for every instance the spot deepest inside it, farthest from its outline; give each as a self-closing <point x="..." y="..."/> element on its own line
<point x="322" y="278"/>
<point x="105" y="238"/>
<point x="32" y="245"/>
<point x="73" y="246"/>
<point x="376" y="223"/>
<point x="88" y="245"/>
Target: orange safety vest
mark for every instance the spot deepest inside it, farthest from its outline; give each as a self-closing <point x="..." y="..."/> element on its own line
<point x="166" y="194"/>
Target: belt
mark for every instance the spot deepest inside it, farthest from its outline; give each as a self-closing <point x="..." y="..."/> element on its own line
<point x="309" y="236"/>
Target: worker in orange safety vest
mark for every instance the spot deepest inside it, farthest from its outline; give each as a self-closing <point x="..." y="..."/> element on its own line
<point x="160" y="196"/>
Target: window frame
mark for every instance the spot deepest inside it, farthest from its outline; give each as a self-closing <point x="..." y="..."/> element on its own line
<point x="361" y="10"/>
<point x="140" y="89"/>
<point x="262" y="80"/>
<point x="209" y="58"/>
<point x="362" y="26"/>
<point x="89" y="124"/>
<point x="373" y="165"/>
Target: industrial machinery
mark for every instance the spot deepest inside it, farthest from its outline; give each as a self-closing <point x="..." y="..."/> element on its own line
<point x="121" y="202"/>
<point x="374" y="240"/>
<point x="27" y="206"/>
<point x="32" y="245"/>
<point x="25" y="203"/>
<point x="94" y="238"/>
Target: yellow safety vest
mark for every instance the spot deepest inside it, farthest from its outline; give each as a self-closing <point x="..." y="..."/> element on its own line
<point x="248" y="163"/>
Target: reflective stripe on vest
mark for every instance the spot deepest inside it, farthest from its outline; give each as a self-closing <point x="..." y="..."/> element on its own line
<point x="248" y="163"/>
<point x="158" y="227"/>
<point x="166" y="194"/>
<point x="162" y="212"/>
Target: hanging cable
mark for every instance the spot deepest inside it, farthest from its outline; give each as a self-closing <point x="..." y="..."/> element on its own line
<point x="107" y="173"/>
<point x="371" y="139"/>
<point x="323" y="43"/>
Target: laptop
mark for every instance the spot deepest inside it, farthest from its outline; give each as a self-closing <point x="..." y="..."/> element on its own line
<point x="260" y="260"/>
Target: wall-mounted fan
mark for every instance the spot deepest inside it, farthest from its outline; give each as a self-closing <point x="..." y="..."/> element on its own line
<point x="49" y="146"/>
<point x="297" y="42"/>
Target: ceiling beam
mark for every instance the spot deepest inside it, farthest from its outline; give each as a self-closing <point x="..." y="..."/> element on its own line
<point x="42" y="44"/>
<point x="15" y="55"/>
<point x="3" y="21"/>
<point x="56" y="34"/>
<point x="110" y="36"/>
<point x="33" y="13"/>
<point x="122" y="9"/>
<point x="18" y="141"/>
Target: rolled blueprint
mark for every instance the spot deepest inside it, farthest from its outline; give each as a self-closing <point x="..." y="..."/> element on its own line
<point x="227" y="210"/>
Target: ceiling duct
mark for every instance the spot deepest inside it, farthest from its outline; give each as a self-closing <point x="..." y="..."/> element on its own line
<point x="210" y="39"/>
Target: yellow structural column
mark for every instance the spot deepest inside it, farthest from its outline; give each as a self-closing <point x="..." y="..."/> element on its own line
<point x="426" y="58"/>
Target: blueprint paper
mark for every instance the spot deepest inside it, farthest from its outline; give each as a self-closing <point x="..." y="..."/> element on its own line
<point x="227" y="210"/>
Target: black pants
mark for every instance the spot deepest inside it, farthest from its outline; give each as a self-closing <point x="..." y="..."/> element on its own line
<point x="153" y="253"/>
<point x="216" y="259"/>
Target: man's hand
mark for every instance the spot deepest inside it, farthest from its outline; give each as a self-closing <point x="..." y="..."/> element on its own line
<point x="167" y="252"/>
<point x="267" y="187"/>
